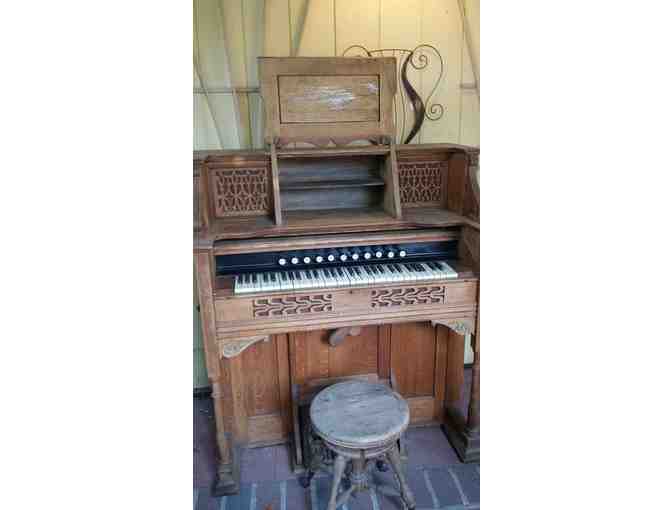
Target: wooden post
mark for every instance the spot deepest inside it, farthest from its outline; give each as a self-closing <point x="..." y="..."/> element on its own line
<point x="462" y="433"/>
<point x="275" y="185"/>
<point x="227" y="480"/>
<point x="474" y="416"/>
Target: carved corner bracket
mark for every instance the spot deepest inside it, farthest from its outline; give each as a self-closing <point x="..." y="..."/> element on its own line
<point x="460" y="326"/>
<point x="337" y="336"/>
<point x="229" y="349"/>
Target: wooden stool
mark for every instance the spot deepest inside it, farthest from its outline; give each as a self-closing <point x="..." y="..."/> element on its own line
<point x="361" y="421"/>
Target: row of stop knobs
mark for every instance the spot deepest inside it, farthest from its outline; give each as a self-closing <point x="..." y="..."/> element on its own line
<point x="345" y="256"/>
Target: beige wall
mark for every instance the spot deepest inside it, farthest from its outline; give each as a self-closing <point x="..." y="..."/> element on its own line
<point x="231" y="34"/>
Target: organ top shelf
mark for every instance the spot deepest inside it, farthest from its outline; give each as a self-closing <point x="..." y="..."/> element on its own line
<point x="336" y="221"/>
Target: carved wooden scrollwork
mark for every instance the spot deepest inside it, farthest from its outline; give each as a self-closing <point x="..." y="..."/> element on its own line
<point x="231" y="349"/>
<point x="420" y="183"/>
<point x="286" y="306"/>
<point x="239" y="191"/>
<point x="430" y="295"/>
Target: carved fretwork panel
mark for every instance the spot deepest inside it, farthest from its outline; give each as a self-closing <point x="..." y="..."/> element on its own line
<point x="420" y="183"/>
<point x="239" y="191"/>
<point x="430" y="295"/>
<point x="287" y="306"/>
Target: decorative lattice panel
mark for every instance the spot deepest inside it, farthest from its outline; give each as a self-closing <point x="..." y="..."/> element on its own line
<point x="431" y="295"/>
<point x="287" y="306"/>
<point x="239" y="191"/>
<point x="420" y="183"/>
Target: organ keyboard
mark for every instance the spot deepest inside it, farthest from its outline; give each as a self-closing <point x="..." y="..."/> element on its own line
<point x="297" y="246"/>
<point x="351" y="276"/>
<point x="339" y="267"/>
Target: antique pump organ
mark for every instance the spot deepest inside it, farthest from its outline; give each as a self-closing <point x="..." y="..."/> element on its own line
<point x="335" y="253"/>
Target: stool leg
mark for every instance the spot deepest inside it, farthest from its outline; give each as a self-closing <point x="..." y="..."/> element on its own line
<point x="395" y="462"/>
<point x="339" y="467"/>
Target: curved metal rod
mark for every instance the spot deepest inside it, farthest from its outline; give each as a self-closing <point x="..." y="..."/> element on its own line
<point x="419" y="60"/>
<point x="368" y="53"/>
<point x="435" y="111"/>
<point x="416" y="101"/>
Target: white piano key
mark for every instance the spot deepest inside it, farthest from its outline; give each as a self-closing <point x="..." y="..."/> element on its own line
<point x="384" y="275"/>
<point x="378" y="276"/>
<point x="448" y="271"/>
<point x="401" y="274"/>
<point x="429" y="272"/>
<point x="317" y="281"/>
<point x="410" y="274"/>
<point x="426" y="271"/>
<point x="344" y="277"/>
<point x="298" y="282"/>
<point x="390" y="274"/>
<point x="355" y="275"/>
<point x="265" y="281"/>
<point x="303" y="280"/>
<point x="330" y="278"/>
<point x="275" y="282"/>
<point x="282" y="284"/>
<point x="365" y="276"/>
<point x="293" y="279"/>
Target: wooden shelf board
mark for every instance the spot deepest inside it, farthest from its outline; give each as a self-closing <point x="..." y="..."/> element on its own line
<point x="356" y="150"/>
<point x="330" y="184"/>
<point x="334" y="221"/>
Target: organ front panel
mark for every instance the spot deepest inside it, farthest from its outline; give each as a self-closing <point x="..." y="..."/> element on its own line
<point x="327" y="260"/>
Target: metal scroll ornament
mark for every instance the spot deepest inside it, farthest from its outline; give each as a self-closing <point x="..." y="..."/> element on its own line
<point x="419" y="58"/>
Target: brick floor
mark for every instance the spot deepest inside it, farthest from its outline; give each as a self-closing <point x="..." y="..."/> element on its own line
<point x="435" y="474"/>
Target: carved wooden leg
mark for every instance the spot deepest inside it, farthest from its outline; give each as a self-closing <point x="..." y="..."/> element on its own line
<point x="231" y="421"/>
<point x="227" y="478"/>
<point x="474" y="416"/>
<point x="228" y="472"/>
<point x="395" y="462"/>
<point x="463" y="433"/>
<point x="339" y="467"/>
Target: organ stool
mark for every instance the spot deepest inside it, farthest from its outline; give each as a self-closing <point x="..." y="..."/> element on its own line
<point x="361" y="422"/>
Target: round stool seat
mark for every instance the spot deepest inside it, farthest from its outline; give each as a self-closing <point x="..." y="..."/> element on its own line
<point x="359" y="414"/>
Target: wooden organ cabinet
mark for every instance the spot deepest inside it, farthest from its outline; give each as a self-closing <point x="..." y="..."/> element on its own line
<point x="335" y="259"/>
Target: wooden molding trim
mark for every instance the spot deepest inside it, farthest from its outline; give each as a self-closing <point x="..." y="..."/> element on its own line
<point x="231" y="349"/>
